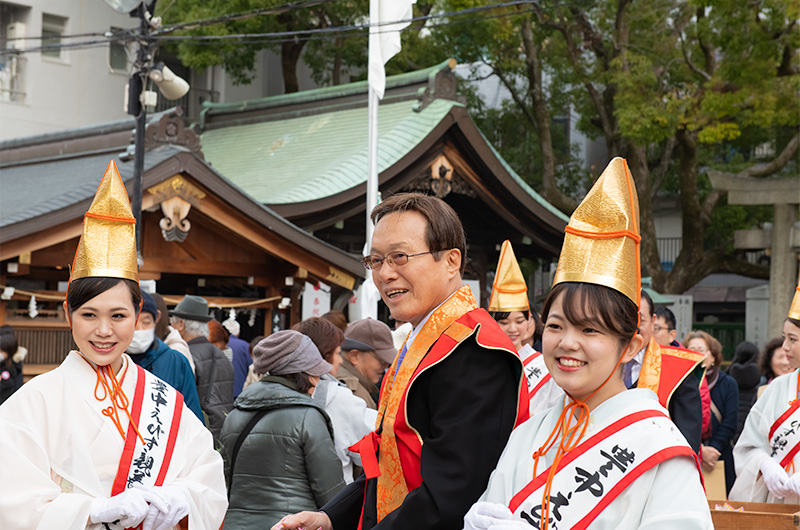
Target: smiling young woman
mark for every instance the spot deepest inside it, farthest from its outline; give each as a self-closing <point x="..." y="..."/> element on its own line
<point x="766" y="454"/>
<point x="605" y="456"/>
<point x="100" y="442"/>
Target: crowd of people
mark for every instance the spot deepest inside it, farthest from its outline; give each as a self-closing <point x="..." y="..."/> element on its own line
<point x="584" y="414"/>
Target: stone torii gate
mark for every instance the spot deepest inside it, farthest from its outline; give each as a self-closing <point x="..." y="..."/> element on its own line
<point x="783" y="239"/>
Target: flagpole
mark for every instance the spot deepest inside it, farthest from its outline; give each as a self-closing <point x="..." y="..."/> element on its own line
<point x="372" y="162"/>
<point x="372" y="141"/>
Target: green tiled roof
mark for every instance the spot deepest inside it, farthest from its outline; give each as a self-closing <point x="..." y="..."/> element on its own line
<point x="312" y="157"/>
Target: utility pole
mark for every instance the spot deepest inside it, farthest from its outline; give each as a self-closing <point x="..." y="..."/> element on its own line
<point x="137" y="85"/>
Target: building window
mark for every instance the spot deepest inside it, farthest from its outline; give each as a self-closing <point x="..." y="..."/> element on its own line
<point x="118" y="53"/>
<point x="52" y="31"/>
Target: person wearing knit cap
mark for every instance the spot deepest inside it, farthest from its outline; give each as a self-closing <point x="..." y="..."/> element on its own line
<point x="152" y="354"/>
<point x="606" y="456"/>
<point x="99" y="442"/>
<point x="508" y="305"/>
<point x="766" y="454"/>
<point x="288" y="461"/>
<point x="241" y="355"/>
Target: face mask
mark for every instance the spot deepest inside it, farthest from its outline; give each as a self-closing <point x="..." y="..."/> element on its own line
<point x="142" y="339"/>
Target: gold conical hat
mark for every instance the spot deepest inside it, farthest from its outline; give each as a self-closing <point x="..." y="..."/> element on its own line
<point x="108" y="244"/>
<point x="601" y="244"/>
<point x="794" y="309"/>
<point x="509" y="291"/>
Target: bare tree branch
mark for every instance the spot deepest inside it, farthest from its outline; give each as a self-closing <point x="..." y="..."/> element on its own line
<point x="775" y="165"/>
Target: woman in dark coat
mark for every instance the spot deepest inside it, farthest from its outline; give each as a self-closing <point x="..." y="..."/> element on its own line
<point x="724" y="406"/>
<point x="278" y="443"/>
<point x="744" y="370"/>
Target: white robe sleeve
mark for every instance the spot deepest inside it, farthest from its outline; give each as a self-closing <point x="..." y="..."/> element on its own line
<point x="29" y="497"/>
<point x="752" y="448"/>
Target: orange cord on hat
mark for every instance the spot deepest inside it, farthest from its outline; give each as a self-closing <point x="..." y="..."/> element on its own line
<point x="131" y="220"/>
<point x="566" y="434"/>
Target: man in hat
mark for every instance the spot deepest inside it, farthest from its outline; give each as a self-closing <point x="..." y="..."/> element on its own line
<point x="213" y="371"/>
<point x="367" y="351"/>
<point x="150" y="352"/>
<point x="451" y="397"/>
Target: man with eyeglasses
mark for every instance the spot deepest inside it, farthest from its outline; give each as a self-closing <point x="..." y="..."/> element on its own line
<point x="670" y="373"/>
<point x="664" y="331"/>
<point x="450" y="398"/>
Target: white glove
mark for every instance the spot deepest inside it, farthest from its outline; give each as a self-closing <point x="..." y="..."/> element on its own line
<point x="775" y="478"/>
<point x="793" y="484"/>
<point x="483" y="515"/>
<point x="129" y="508"/>
<point x="173" y="506"/>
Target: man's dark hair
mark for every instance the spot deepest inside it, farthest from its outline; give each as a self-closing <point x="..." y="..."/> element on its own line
<point x="667" y="315"/>
<point x="444" y="227"/>
<point x="646" y="296"/>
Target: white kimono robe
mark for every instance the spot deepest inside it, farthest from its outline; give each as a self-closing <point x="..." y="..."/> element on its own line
<point x="753" y="446"/>
<point x="668" y="496"/>
<point x="58" y="453"/>
<point x="548" y="395"/>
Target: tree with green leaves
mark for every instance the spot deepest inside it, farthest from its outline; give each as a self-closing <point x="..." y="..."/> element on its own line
<point x="675" y="87"/>
<point x="329" y="55"/>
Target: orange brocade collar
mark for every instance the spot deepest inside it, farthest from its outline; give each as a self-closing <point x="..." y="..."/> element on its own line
<point x="392" y="488"/>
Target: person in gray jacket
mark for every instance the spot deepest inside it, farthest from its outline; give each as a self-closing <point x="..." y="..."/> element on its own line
<point x="277" y="442"/>
<point x="213" y="371"/>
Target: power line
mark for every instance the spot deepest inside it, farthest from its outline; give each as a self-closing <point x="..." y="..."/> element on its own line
<point x="287" y="36"/>
<point x="277" y="10"/>
<point x="354" y="27"/>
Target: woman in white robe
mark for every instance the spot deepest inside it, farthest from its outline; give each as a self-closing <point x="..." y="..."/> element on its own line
<point x="757" y="479"/>
<point x="99" y="442"/>
<point x="606" y="456"/>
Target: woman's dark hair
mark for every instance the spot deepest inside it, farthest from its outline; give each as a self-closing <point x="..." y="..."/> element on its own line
<point x="323" y="333"/>
<point x="254" y="342"/>
<point x="765" y="359"/>
<point x="794" y="321"/>
<point x="9" y="344"/>
<point x="746" y="352"/>
<point x="162" y="326"/>
<point x="500" y="315"/>
<point x="338" y="319"/>
<point x="300" y="381"/>
<point x="82" y="290"/>
<point x="596" y="306"/>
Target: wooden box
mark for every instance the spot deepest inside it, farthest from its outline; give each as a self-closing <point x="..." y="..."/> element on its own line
<point x="756" y="516"/>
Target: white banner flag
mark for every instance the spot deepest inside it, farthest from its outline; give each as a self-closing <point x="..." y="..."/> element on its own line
<point x="384" y="40"/>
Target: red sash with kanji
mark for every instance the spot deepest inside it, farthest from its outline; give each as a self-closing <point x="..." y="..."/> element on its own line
<point x="156" y="410"/>
<point x="536" y="372"/>
<point x="595" y="472"/>
<point x="399" y="444"/>
<point x="665" y="367"/>
<point x="784" y="435"/>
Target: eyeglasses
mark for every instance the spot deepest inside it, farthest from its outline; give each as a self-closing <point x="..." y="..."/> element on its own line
<point x="395" y="259"/>
<point x="659" y="329"/>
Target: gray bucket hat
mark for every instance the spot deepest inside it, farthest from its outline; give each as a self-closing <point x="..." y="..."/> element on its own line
<point x="192" y="308"/>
